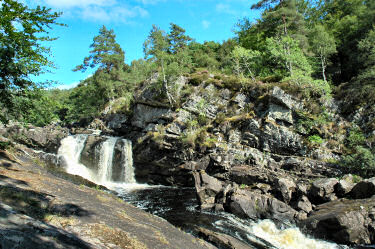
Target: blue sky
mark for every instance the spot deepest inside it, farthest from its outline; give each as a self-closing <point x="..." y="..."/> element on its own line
<point x="204" y="20"/>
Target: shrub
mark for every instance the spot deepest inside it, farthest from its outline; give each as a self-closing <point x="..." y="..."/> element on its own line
<point x="361" y="162"/>
<point x="315" y="139"/>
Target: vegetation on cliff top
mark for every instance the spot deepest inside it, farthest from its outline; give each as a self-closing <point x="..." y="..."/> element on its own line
<point x="315" y="49"/>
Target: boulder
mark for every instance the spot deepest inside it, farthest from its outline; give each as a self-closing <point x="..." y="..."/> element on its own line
<point x="322" y="190"/>
<point x="224" y="241"/>
<point x="345" y="185"/>
<point x="285" y="188"/>
<point x="364" y="189"/>
<point x="248" y="204"/>
<point x="207" y="188"/>
<point x="304" y="204"/>
<point x="90" y="154"/>
<point x="116" y="121"/>
<point x="344" y="221"/>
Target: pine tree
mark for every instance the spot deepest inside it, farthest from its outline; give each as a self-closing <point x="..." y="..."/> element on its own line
<point x="106" y="53"/>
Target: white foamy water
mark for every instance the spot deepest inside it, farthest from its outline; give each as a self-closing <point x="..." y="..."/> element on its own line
<point x="289" y="238"/>
<point x="104" y="175"/>
<point x="70" y="149"/>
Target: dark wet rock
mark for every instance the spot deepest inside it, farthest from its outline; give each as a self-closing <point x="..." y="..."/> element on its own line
<point x="322" y="190"/>
<point x="344" y="221"/>
<point x="91" y="152"/>
<point x="345" y="185"/>
<point x="224" y="241"/>
<point x="207" y="188"/>
<point x="252" y="205"/>
<point x="364" y="189"/>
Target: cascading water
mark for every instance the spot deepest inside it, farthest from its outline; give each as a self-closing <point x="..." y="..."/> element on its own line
<point x="101" y="173"/>
<point x="111" y="164"/>
<point x="70" y="150"/>
<point x="127" y="161"/>
<point x="106" y="161"/>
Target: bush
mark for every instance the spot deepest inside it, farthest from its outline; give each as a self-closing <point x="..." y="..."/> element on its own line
<point x="361" y="162"/>
<point x="315" y="139"/>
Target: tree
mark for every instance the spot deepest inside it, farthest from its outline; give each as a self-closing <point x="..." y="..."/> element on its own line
<point x="106" y="53"/>
<point x="177" y="39"/>
<point x="22" y="47"/>
<point x="157" y="48"/>
<point x="323" y="45"/>
<point x="245" y="61"/>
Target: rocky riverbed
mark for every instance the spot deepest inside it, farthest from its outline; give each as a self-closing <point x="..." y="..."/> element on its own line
<point x="253" y="154"/>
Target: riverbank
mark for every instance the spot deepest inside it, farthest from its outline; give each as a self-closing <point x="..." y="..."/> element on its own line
<point x="40" y="210"/>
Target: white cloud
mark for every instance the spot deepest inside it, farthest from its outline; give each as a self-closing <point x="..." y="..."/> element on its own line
<point x="97" y="10"/>
<point x="78" y="3"/>
<point x="206" y="24"/>
<point x="225" y="9"/>
<point x="150" y="1"/>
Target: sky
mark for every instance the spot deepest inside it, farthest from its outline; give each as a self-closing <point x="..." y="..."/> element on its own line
<point x="132" y="20"/>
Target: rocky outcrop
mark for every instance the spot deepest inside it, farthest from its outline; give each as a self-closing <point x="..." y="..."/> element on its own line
<point x="42" y="138"/>
<point x="344" y="221"/>
<point x="248" y="204"/>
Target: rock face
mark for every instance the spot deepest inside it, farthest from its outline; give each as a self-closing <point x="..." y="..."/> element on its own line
<point x="42" y="138"/>
<point x="248" y="204"/>
<point x="344" y="221"/>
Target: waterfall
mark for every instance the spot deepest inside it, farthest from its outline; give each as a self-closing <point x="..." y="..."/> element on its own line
<point x="127" y="161"/>
<point x="111" y="159"/>
<point x="106" y="160"/>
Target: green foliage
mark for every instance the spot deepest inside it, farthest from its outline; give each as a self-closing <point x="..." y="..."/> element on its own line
<point x="245" y="61"/>
<point x="355" y="138"/>
<point x="315" y="140"/>
<point x="23" y="51"/>
<point x="361" y="162"/>
<point x="106" y="53"/>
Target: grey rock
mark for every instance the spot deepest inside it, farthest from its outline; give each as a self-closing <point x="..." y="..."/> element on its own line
<point x="345" y="185"/>
<point x="116" y="121"/>
<point x="344" y="221"/>
<point x="278" y="96"/>
<point x="304" y="204"/>
<point x="145" y="114"/>
<point x="250" y="139"/>
<point x="364" y="189"/>
<point x="281" y="140"/>
<point x="223" y="240"/>
<point x="207" y="188"/>
<point x="279" y="113"/>
<point x="252" y="205"/>
<point x="43" y="138"/>
<point x="286" y="187"/>
<point x="240" y="99"/>
<point x="322" y="190"/>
